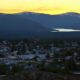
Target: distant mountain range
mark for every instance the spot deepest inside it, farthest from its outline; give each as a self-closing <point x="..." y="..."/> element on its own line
<point x="35" y="25"/>
<point x="14" y="26"/>
<point x="66" y="20"/>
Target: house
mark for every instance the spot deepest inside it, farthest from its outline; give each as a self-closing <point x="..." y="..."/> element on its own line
<point x="26" y="56"/>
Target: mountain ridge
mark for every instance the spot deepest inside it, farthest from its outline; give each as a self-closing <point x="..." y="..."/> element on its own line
<point x="21" y="25"/>
<point x="69" y="20"/>
<point x="16" y="26"/>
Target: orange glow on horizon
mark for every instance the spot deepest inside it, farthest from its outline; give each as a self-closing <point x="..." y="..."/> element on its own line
<point x="39" y="6"/>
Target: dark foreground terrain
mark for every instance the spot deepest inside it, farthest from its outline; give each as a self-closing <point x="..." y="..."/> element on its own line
<point x="40" y="75"/>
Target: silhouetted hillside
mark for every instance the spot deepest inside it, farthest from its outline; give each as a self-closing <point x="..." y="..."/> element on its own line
<point x="67" y="20"/>
<point x="15" y="26"/>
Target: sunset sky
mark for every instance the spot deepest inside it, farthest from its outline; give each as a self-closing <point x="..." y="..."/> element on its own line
<point x="40" y="6"/>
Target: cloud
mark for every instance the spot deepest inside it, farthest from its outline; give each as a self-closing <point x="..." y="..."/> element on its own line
<point x="64" y="30"/>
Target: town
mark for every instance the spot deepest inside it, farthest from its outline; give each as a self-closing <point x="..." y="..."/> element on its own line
<point x="56" y="57"/>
